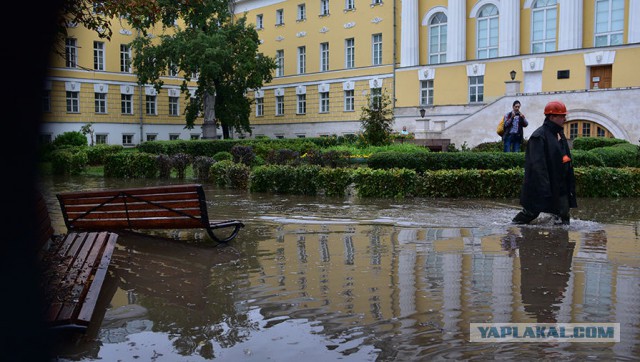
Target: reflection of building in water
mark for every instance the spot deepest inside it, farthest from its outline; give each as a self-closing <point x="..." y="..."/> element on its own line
<point x="447" y="278"/>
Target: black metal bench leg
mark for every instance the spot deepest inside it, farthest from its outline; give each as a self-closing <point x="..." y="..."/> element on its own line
<point x="233" y="234"/>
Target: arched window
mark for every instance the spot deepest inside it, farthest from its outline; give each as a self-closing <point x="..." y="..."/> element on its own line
<point x="438" y="39"/>
<point x="543" y="26"/>
<point x="582" y="128"/>
<point x="487" y="32"/>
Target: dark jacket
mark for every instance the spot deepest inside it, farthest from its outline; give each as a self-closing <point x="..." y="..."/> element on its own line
<point x="508" y="120"/>
<point x="546" y="177"/>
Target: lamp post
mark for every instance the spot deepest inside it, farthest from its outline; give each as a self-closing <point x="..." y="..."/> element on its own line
<point x="512" y="74"/>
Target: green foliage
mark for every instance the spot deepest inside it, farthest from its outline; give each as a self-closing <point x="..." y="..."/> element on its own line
<point x="589" y="143"/>
<point x="131" y="165"/>
<point x="489" y="147"/>
<point x="71" y="138"/>
<point x="618" y="155"/>
<point x="67" y="162"/>
<point x="582" y="158"/>
<point x="397" y="183"/>
<point x="335" y="181"/>
<point x="377" y="119"/>
<point x="223" y="155"/>
<point x="607" y="182"/>
<point x="243" y="154"/>
<point x="98" y="153"/>
<point x="228" y="174"/>
<point x="165" y="164"/>
<point x="179" y="162"/>
<point x="285" y="179"/>
<point x="421" y="162"/>
<point x="202" y="166"/>
<point x="503" y="183"/>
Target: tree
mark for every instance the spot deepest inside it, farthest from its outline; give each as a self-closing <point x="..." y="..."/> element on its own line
<point x="88" y="129"/>
<point x="377" y="118"/>
<point x="220" y="50"/>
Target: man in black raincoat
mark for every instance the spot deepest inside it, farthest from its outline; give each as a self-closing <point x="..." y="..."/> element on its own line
<point x="549" y="182"/>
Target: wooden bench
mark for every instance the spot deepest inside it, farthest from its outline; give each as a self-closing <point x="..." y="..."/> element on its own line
<point x="73" y="269"/>
<point x="156" y="207"/>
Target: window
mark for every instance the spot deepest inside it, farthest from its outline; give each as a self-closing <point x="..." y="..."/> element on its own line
<point x="279" y="63"/>
<point x="324" y="102"/>
<point x="376" y="98"/>
<point x="586" y="129"/>
<point x="609" y="22"/>
<point x="174" y="137"/>
<point x="101" y="139"/>
<point x="125" y="58"/>
<point x="173" y="70"/>
<point x="101" y="103"/>
<point x="127" y="139"/>
<point x="302" y="12"/>
<point x="349" y="5"/>
<point x="259" y="22"/>
<point x="376" y="2"/>
<point x="71" y="53"/>
<point x="324" y="57"/>
<point x="302" y="60"/>
<point x="426" y="92"/>
<point x="174" y="103"/>
<point x="324" y="7"/>
<point x="279" y="105"/>
<point x="46" y="101"/>
<point x="573" y="130"/>
<point x="279" y="17"/>
<point x="600" y="132"/>
<point x="126" y="104"/>
<point x="476" y="89"/>
<point x="487" y="45"/>
<point x="438" y="39"/>
<point x="152" y="137"/>
<point x="194" y="137"/>
<point x="349" y="105"/>
<point x="349" y="53"/>
<point x="302" y="104"/>
<point x="150" y="105"/>
<point x="543" y="26"/>
<point x="259" y="107"/>
<point x="376" y="49"/>
<point x="73" y="102"/>
<point x="98" y="55"/>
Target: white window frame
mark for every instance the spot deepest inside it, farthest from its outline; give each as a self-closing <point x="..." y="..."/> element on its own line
<point x="280" y="63"/>
<point x="323" y="106"/>
<point x="100" y="102"/>
<point x="609" y="23"/>
<point x="279" y="17"/>
<point x="173" y="70"/>
<point x="174" y="106"/>
<point x="349" y="5"/>
<point x="438" y="26"/>
<point x="349" y="53"/>
<point x="302" y="59"/>
<point x="102" y="138"/>
<point x="127" y="139"/>
<point x="125" y="58"/>
<point x="71" y="52"/>
<point x="259" y="21"/>
<point x="376" y="98"/>
<point x="476" y="89"/>
<point x="279" y="105"/>
<point x="376" y="49"/>
<point x="73" y="102"/>
<point x="544" y="15"/>
<point x="302" y="12"/>
<point x="426" y="92"/>
<point x="151" y="105"/>
<point x="259" y="107"/>
<point x="324" y="7"/>
<point x="487" y="24"/>
<point x="98" y="55"/>
<point x="302" y="104"/>
<point x="126" y="103"/>
<point x="349" y="100"/>
<point x="324" y="57"/>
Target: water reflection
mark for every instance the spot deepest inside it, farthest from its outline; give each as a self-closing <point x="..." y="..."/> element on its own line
<point x="326" y="279"/>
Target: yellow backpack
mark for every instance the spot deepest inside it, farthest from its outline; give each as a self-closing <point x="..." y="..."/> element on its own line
<point x="500" y="130"/>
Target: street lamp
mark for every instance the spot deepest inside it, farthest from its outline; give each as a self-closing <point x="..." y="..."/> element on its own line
<point x="422" y="112"/>
<point x="513" y="74"/>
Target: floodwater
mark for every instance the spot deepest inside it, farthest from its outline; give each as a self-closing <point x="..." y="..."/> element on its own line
<point x="323" y="279"/>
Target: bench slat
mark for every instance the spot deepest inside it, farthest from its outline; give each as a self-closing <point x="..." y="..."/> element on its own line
<point x="133" y="214"/>
<point x="117" y="206"/>
<point x="86" y="312"/>
<point x="121" y="198"/>
<point x="167" y="223"/>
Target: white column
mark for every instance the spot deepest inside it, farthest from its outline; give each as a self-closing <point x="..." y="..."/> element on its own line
<point x="456" y="31"/>
<point x="570" y="24"/>
<point x="509" y="31"/>
<point x="410" y="47"/>
<point x="634" y="22"/>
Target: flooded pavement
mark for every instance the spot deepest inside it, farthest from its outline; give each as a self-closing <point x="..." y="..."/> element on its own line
<point x="323" y="279"/>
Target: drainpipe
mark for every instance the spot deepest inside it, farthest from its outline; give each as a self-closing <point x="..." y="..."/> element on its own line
<point x="393" y="99"/>
<point x="141" y="117"/>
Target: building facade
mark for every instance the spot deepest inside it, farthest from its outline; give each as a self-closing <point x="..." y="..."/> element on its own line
<point x="463" y="62"/>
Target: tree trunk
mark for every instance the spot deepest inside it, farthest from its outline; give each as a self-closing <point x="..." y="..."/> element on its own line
<point x="209" y="127"/>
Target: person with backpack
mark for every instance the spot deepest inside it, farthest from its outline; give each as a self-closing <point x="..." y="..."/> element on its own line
<point x="549" y="181"/>
<point x="514" y="123"/>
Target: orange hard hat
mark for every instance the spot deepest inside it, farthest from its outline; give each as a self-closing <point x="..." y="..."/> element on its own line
<point x="555" y="107"/>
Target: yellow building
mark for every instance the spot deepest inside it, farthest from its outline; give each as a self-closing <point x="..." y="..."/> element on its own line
<point x="463" y="62"/>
